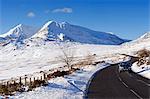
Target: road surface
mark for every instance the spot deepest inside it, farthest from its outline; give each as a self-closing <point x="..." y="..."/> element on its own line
<point x="110" y="84"/>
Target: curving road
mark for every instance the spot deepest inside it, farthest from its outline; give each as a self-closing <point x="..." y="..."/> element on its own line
<point x="110" y="84"/>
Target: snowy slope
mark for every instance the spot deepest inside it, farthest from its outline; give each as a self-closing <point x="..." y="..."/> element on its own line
<point x="138" y="44"/>
<point x="2" y="39"/>
<point x="64" y="31"/>
<point x="32" y="59"/>
<point x="18" y="33"/>
<point x="145" y="38"/>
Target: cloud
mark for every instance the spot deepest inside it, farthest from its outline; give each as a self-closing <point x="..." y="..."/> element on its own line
<point x="31" y="14"/>
<point x="62" y="10"/>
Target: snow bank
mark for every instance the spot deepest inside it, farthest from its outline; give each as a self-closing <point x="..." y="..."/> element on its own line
<point x="143" y="70"/>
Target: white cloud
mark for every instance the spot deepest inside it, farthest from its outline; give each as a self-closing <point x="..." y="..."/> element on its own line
<point x="31" y="14"/>
<point x="62" y="10"/>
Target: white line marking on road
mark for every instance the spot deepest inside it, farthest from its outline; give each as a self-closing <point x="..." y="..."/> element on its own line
<point x="119" y="78"/>
<point x="135" y="94"/>
<point x="125" y="84"/>
<point x="128" y="87"/>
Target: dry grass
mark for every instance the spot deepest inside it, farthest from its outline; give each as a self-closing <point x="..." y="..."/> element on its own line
<point x="143" y="53"/>
<point x="9" y="89"/>
<point x="37" y="83"/>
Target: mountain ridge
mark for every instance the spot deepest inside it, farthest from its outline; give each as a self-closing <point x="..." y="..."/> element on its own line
<point x="62" y="31"/>
<point x="19" y="32"/>
<point x="53" y="30"/>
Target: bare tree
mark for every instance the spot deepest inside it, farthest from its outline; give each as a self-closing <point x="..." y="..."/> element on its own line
<point x="67" y="54"/>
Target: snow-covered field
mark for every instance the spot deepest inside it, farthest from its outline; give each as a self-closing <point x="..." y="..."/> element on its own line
<point x="40" y="56"/>
<point x="69" y="87"/>
<point x="30" y="59"/>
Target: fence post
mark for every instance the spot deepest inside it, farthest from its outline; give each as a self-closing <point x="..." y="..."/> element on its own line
<point x="7" y="84"/>
<point x="4" y="83"/>
<point x="20" y="81"/>
<point x="34" y="79"/>
<point x="44" y="76"/>
<point x="25" y="80"/>
<point x="14" y="82"/>
<point x="41" y="78"/>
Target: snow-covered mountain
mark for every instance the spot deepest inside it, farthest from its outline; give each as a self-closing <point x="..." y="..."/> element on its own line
<point x="139" y="43"/>
<point x="18" y="33"/>
<point x="2" y="39"/>
<point x="144" y="37"/>
<point x="64" y="31"/>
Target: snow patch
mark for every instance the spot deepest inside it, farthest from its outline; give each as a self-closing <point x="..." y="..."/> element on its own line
<point x="143" y="70"/>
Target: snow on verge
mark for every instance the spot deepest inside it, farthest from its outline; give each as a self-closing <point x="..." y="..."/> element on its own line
<point x="143" y="70"/>
<point x="69" y="87"/>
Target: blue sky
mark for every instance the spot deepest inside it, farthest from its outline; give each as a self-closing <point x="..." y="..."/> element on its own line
<point x="126" y="18"/>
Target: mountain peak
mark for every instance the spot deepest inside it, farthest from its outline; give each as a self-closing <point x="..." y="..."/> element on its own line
<point x="64" y="23"/>
<point x="16" y="28"/>
<point x="52" y="24"/>
<point x="19" y="32"/>
<point x="145" y="36"/>
<point x="20" y="26"/>
<point x="48" y="24"/>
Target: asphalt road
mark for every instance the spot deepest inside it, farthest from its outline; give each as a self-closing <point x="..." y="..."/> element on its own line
<point x="110" y="84"/>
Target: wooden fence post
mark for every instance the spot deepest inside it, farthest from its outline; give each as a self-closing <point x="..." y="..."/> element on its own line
<point x="4" y="83"/>
<point x="25" y="80"/>
<point x="20" y="81"/>
<point x="44" y="76"/>
<point x="7" y="84"/>
<point x="34" y="79"/>
<point x="14" y="82"/>
<point x="41" y="78"/>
